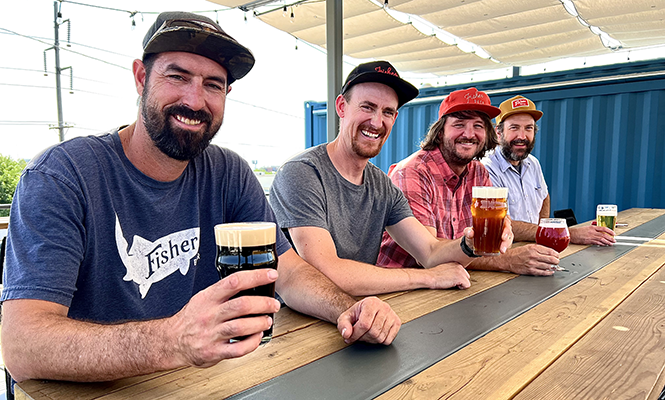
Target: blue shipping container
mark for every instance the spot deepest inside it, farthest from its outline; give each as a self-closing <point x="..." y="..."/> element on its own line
<point x="600" y="141"/>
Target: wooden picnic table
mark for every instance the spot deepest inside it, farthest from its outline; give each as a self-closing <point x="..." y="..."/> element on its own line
<point x="598" y="338"/>
<point x="4" y="222"/>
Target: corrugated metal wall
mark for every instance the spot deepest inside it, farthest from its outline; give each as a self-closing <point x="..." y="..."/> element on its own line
<point x="601" y="138"/>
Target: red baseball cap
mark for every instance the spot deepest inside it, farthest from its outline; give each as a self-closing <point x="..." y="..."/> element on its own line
<point x="467" y="100"/>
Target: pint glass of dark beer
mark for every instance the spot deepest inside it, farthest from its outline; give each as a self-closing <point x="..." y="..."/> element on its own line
<point x="488" y="208"/>
<point x="246" y="246"/>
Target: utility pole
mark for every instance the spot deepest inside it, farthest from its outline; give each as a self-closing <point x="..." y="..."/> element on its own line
<point x="58" y="71"/>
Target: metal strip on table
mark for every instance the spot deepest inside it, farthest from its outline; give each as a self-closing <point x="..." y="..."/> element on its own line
<point x="364" y="371"/>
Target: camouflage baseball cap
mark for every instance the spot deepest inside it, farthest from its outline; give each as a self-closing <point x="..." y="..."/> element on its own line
<point x="193" y="33"/>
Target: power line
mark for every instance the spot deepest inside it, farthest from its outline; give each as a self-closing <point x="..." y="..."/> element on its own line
<point x="41" y="40"/>
<point x="41" y="71"/>
<point x="27" y="122"/>
<point x="266" y="109"/>
<point x="52" y="87"/>
<point x="66" y="49"/>
<point x="132" y="13"/>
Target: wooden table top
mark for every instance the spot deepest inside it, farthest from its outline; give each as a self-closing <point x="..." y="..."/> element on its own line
<point x="599" y="338"/>
<point x="4" y="222"/>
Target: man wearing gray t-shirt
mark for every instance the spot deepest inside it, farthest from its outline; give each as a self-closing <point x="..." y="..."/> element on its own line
<point x="335" y="205"/>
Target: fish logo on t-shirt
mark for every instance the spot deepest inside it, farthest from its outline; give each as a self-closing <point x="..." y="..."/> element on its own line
<point x="149" y="262"/>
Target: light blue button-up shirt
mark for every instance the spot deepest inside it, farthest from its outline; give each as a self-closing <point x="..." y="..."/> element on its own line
<point x="526" y="189"/>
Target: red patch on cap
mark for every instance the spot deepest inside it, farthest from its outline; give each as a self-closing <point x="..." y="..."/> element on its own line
<point x="520" y="103"/>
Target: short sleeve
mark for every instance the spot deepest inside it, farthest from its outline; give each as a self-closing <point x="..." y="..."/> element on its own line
<point x="297" y="196"/>
<point x="45" y="239"/>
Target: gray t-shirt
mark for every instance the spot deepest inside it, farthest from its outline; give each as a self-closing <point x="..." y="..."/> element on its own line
<point x="308" y="191"/>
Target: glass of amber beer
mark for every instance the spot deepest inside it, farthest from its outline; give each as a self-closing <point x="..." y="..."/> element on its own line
<point x="246" y="246"/>
<point x="488" y="208"/>
<point x="606" y="215"/>
<point x="553" y="233"/>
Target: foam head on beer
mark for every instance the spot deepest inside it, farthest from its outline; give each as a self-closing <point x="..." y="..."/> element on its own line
<point x="489" y="192"/>
<point x="245" y="234"/>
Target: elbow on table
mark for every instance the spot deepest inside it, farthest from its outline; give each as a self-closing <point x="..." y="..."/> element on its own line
<point x="15" y="362"/>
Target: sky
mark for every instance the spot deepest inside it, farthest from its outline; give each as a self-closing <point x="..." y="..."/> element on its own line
<point x="264" y="117"/>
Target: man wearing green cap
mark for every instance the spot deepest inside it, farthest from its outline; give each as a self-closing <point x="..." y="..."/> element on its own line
<point x="512" y="166"/>
<point x="110" y="264"/>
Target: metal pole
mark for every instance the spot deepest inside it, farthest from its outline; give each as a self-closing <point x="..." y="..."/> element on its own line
<point x="56" y="47"/>
<point x="334" y="41"/>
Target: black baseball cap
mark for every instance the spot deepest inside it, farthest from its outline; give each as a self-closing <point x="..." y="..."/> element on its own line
<point x="382" y="72"/>
<point x="193" y="33"/>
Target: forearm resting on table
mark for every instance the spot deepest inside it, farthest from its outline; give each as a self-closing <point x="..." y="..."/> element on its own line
<point x="39" y="341"/>
<point x="493" y="263"/>
<point x="316" y="246"/>
<point x="306" y="290"/>
<point x="422" y="244"/>
<point x="524" y="231"/>
<point x="360" y="279"/>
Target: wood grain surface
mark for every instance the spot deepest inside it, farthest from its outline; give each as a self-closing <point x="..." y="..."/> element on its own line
<point x="496" y="366"/>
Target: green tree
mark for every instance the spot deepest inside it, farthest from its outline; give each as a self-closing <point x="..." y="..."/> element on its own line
<point x="10" y="172"/>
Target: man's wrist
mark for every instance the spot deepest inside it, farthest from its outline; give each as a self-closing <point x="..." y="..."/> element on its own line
<point x="468" y="251"/>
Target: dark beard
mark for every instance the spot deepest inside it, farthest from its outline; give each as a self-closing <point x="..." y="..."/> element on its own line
<point x="452" y="157"/>
<point x="177" y="143"/>
<point x="510" y="155"/>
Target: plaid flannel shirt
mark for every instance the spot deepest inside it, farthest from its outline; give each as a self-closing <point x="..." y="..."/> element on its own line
<point x="436" y="196"/>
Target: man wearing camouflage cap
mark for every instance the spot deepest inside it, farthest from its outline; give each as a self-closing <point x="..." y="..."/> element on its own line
<point x="110" y="268"/>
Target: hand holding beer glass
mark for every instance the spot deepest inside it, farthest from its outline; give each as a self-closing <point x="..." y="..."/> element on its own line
<point x="489" y="207"/>
<point x="247" y="246"/>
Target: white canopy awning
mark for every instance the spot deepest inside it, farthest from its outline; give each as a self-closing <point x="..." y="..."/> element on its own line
<point x="511" y="32"/>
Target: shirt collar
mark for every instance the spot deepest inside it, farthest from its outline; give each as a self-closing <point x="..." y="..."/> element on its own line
<point x="449" y="176"/>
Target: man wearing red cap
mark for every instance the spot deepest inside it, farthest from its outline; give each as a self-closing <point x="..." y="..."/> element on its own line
<point x="335" y="205"/>
<point x="438" y="181"/>
<point x="511" y="165"/>
<point x="110" y="268"/>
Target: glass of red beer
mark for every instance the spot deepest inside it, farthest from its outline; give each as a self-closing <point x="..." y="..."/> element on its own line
<point x="489" y="207"/>
<point x="553" y="233"/>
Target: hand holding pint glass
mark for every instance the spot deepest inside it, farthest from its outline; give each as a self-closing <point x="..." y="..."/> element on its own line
<point x="246" y="246"/>
<point x="489" y="207"/>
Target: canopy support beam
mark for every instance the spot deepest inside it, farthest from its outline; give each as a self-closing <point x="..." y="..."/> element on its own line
<point x="334" y="46"/>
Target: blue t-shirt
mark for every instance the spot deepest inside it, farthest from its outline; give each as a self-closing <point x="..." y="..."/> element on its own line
<point x="91" y="232"/>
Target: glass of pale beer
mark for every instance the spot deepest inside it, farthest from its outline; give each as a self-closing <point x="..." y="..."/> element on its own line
<point x="246" y="246"/>
<point x="488" y="208"/>
<point x="606" y="215"/>
<point x="553" y="233"/>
